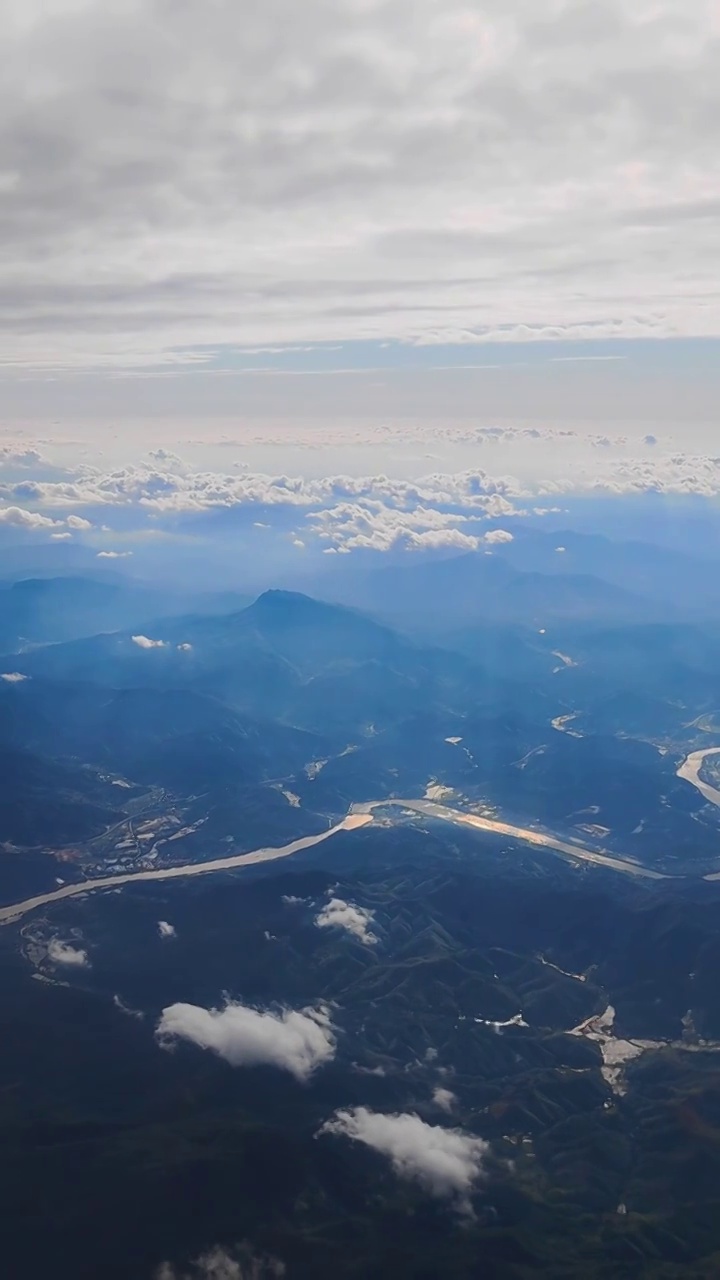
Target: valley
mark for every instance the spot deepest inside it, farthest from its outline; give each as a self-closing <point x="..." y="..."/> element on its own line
<point x="360" y="814"/>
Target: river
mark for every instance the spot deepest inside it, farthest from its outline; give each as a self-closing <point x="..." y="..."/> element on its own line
<point x="16" y="910"/>
<point x="362" y="814"/>
<point x="689" y="771"/>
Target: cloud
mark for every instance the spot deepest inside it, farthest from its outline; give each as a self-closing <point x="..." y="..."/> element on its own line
<point x="12" y="458"/>
<point x="144" y="642"/>
<point x="444" y="1099"/>
<point x="184" y="648"/>
<point x="338" y="914"/>
<point x="13" y="677"/>
<point x="298" y="1042"/>
<point x="498" y="536"/>
<point x="19" y="518"/>
<point x="65" y="954"/>
<point x="127" y="1010"/>
<point x="437" y="512"/>
<point x="222" y="1264"/>
<point x="166" y="930"/>
<point x="291" y="901"/>
<point x="446" y="1162"/>
<point x="438" y="134"/>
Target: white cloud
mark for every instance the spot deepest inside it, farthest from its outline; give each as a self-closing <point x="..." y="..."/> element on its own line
<point x="20" y="457"/>
<point x="294" y="1041"/>
<point x="498" y="536"/>
<point x="345" y="513"/>
<point x="65" y="954"/>
<point x="445" y="1099"/>
<point x="166" y="930"/>
<point x="291" y="901"/>
<point x="559" y="550"/>
<point x="78" y="523"/>
<point x="13" y="677"/>
<point x="127" y="1010"/>
<point x="184" y="648"/>
<point x="446" y="1162"/>
<point x="19" y="518"/>
<point x="338" y="914"/>
<point x="220" y="1264"/>
<point x="144" y="642"/>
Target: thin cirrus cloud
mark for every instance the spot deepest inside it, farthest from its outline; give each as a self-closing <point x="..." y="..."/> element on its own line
<point x="391" y="170"/>
<point x="298" y="1042"/>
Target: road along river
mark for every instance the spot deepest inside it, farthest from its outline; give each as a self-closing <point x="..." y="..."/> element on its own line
<point x="362" y="814"/>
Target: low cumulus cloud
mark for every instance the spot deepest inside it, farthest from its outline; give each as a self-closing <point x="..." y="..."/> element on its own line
<point x="13" y="677"/>
<point x="20" y="518"/>
<point x="35" y="522"/>
<point x="445" y="1099"/>
<point x="446" y="1162"/>
<point x="338" y="914"/>
<point x="222" y="1264"/>
<point x="295" y="1041"/>
<point x="343" y="514"/>
<point x="18" y="457"/>
<point x="166" y="930"/>
<point x="64" y="954"/>
<point x="496" y="537"/>
<point x="144" y="642"/>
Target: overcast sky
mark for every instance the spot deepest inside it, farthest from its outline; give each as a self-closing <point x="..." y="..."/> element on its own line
<point x="183" y="182"/>
<point x="387" y="268"/>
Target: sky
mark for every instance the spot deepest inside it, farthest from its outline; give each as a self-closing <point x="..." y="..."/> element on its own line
<point x="357" y="238"/>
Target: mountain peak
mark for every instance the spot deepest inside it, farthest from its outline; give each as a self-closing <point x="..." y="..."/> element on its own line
<point x="292" y="606"/>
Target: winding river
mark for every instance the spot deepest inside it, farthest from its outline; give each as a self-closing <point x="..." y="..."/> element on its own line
<point x="362" y="814"/>
<point x="690" y="771"/>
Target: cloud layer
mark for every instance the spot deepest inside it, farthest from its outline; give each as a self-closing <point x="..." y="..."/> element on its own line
<point x="163" y="498"/>
<point x="298" y="1042"/>
<point x="414" y="168"/>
